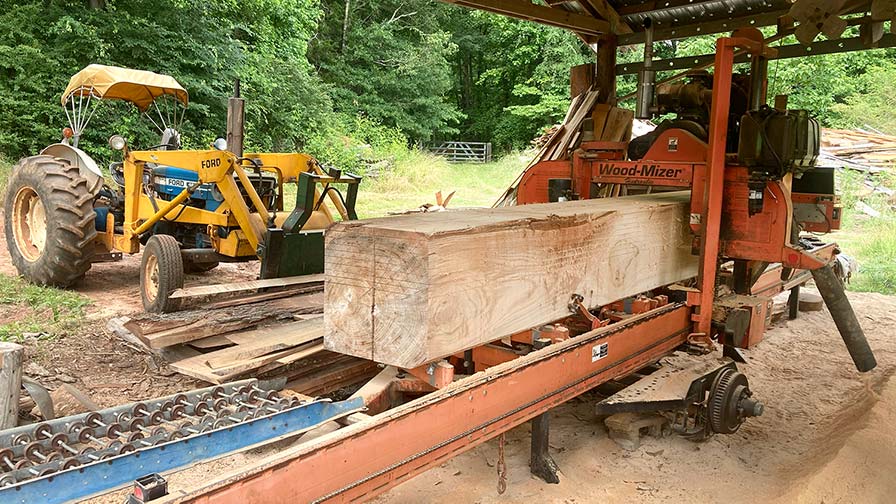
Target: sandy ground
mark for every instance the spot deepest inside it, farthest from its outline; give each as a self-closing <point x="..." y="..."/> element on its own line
<point x="826" y="436"/>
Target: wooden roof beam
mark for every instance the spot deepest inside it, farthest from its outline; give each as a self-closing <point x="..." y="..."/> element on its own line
<point x="606" y="11"/>
<point x="523" y="9"/>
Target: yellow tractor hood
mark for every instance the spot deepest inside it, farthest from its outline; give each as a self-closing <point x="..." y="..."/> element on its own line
<point x="115" y="83"/>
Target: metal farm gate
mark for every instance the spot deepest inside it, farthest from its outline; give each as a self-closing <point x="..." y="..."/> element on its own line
<point x="464" y="152"/>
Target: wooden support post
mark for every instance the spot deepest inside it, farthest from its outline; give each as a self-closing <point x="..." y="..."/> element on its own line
<point x="236" y="107"/>
<point x="581" y="79"/>
<point x="11" y="356"/>
<point x="793" y="303"/>
<point x="605" y="80"/>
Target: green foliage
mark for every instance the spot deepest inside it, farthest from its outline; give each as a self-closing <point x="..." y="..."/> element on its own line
<point x="870" y="240"/>
<point x="511" y="77"/>
<point x="874" y="107"/>
<point x="27" y="308"/>
<point x="5" y="170"/>
<point x="205" y="45"/>
<point x="388" y="60"/>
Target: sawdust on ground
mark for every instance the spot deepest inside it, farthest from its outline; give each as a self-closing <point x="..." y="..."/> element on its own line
<point x="826" y="436"/>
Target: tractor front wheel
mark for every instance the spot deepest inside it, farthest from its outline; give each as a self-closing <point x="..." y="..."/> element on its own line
<point x="161" y="273"/>
<point x="49" y="221"/>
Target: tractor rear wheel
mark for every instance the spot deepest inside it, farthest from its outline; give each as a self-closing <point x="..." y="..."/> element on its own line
<point x="161" y="273"/>
<point x="49" y="221"/>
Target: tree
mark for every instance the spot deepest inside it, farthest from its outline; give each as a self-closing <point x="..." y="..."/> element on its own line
<point x="388" y="60"/>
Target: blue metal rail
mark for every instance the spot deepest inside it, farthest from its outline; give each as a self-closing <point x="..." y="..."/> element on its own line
<point x="105" y="475"/>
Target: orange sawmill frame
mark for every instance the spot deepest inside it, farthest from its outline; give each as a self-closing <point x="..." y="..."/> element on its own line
<point x="365" y="459"/>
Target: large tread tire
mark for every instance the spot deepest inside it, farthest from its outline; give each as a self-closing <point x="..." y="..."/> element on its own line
<point x="161" y="273"/>
<point x="62" y="252"/>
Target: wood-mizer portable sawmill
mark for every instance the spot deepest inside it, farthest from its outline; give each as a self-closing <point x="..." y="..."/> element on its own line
<point x="754" y="189"/>
<point x="189" y="209"/>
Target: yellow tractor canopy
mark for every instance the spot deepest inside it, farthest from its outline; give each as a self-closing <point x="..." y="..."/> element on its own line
<point x="115" y="83"/>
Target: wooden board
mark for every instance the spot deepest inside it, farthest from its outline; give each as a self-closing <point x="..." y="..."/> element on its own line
<point x="409" y="290"/>
<point x="619" y="124"/>
<point x="247" y="286"/>
<point x="158" y="331"/>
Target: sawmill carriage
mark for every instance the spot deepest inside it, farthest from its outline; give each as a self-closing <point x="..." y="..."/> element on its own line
<point x="573" y="284"/>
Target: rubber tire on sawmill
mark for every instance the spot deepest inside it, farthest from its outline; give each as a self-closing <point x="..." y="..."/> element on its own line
<point x="161" y="273"/>
<point x="49" y="221"/>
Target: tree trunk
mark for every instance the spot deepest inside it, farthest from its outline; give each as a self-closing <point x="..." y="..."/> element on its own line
<point x="345" y="22"/>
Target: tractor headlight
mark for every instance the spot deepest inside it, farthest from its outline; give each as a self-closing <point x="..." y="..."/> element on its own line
<point x="117" y="142"/>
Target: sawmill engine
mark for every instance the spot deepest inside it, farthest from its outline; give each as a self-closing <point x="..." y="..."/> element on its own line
<point x="771" y="142"/>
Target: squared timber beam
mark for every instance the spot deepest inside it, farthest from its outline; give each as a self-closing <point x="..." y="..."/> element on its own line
<point x="409" y="290"/>
<point x="525" y="10"/>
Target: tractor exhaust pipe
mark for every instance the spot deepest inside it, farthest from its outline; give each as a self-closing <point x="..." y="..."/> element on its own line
<point x="832" y="292"/>
<point x="236" y="107"/>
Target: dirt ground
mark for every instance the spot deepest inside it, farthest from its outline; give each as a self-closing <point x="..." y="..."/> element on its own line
<point x="93" y="359"/>
<point x="826" y="435"/>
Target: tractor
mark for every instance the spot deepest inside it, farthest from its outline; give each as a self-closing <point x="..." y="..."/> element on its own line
<point x="187" y="209"/>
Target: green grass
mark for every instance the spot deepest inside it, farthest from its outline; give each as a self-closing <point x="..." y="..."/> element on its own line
<point x="415" y="181"/>
<point x="417" y="176"/>
<point x="5" y="170"/>
<point x="870" y="240"/>
<point x="27" y="308"/>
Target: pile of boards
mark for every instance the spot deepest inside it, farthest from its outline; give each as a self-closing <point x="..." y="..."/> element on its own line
<point x="275" y="329"/>
<point x="858" y="148"/>
<point x="586" y="120"/>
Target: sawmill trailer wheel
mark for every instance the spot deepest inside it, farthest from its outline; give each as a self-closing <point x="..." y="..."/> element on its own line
<point x="49" y="221"/>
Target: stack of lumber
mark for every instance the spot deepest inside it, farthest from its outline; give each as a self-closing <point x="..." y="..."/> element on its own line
<point x="863" y="148"/>
<point x="259" y="334"/>
<point x="406" y="291"/>
<point x="585" y="120"/>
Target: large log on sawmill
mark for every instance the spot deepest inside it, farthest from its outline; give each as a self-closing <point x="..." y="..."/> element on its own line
<point x="409" y="290"/>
